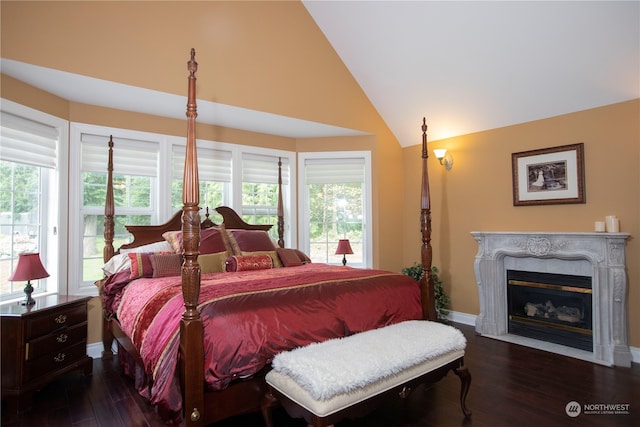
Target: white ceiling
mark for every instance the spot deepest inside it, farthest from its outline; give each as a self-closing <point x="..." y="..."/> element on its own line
<point x="467" y="66"/>
<point x="470" y="66"/>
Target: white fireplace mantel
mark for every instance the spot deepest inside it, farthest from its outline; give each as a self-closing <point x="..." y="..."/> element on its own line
<point x="598" y="255"/>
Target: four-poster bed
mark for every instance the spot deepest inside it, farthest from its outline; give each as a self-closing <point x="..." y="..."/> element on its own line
<point x="210" y="384"/>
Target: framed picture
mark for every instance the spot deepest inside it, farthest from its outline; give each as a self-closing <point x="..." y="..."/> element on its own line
<point x="549" y="176"/>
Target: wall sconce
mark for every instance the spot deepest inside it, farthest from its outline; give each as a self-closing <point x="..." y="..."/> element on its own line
<point x="444" y="157"/>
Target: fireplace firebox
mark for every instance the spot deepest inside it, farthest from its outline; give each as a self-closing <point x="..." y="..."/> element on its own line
<point x="550" y="307"/>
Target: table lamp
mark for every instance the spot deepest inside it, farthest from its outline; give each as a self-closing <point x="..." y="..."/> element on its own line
<point x="344" y="248"/>
<point x="29" y="268"/>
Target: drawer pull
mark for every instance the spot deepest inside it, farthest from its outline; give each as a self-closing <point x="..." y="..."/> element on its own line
<point x="59" y="357"/>
<point x="61" y="319"/>
<point x="62" y="338"/>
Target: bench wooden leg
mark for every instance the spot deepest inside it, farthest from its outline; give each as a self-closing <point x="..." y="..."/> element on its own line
<point x="465" y="378"/>
<point x="268" y="404"/>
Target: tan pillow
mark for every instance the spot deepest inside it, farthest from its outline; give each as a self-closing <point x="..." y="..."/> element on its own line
<point x="213" y="263"/>
<point x="173" y="238"/>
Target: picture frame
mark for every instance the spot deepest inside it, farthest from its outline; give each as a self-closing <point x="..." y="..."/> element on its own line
<point x="549" y="176"/>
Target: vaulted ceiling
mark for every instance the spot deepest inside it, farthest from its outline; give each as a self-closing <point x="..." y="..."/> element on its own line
<point x="470" y="66"/>
<point x="467" y="66"/>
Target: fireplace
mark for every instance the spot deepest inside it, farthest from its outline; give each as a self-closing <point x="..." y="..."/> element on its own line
<point x="551" y="307"/>
<point x="594" y="265"/>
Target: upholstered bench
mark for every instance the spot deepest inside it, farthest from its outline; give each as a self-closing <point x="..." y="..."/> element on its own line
<point x="339" y="378"/>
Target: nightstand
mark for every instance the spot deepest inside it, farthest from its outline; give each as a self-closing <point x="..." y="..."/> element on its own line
<point x="40" y="343"/>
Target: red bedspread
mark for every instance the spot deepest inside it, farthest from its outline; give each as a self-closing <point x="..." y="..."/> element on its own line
<point x="250" y="316"/>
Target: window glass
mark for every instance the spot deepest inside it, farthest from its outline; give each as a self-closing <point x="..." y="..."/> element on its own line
<point x="20" y="220"/>
<point x="135" y="170"/>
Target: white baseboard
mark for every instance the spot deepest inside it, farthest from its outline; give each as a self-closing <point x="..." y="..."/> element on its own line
<point x="464" y="318"/>
<point x="94" y="350"/>
<point x="470" y="319"/>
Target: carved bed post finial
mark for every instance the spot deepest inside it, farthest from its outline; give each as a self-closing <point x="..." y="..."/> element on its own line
<point x="109" y="209"/>
<point x="426" y="282"/>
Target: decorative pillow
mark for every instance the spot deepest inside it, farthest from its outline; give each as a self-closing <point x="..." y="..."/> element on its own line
<point x="166" y="265"/>
<point x="172" y="238"/>
<point x="116" y="264"/>
<point x="249" y="241"/>
<point x="303" y="257"/>
<point x="273" y="254"/>
<point x="140" y="264"/>
<point x="213" y="263"/>
<point x="212" y="240"/>
<point x="162" y="246"/>
<point x="289" y="257"/>
<point x="249" y="262"/>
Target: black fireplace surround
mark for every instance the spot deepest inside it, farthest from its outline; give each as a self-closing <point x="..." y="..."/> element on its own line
<point x="556" y="308"/>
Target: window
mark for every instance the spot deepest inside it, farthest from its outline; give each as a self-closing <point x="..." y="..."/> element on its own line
<point x="135" y="193"/>
<point x="33" y="150"/>
<point x="260" y="189"/>
<point x="335" y="203"/>
<point x="214" y="172"/>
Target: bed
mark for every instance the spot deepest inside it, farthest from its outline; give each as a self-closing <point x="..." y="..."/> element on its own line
<point x="202" y="308"/>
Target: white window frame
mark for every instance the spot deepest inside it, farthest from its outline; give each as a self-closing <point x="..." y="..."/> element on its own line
<point x="160" y="200"/>
<point x="303" y="201"/>
<point x="54" y="209"/>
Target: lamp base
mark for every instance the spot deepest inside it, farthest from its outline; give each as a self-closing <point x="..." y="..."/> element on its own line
<point x="28" y="290"/>
<point x="344" y="260"/>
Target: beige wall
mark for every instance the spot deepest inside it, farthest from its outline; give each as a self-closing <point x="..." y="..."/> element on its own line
<point x="270" y="56"/>
<point x="476" y="195"/>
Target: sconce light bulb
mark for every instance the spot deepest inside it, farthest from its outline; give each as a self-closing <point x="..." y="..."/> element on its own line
<point x="440" y="153"/>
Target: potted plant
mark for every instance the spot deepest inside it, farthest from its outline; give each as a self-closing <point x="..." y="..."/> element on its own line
<point x="442" y="299"/>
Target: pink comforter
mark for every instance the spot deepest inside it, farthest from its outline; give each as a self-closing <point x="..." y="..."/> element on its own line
<point x="250" y="316"/>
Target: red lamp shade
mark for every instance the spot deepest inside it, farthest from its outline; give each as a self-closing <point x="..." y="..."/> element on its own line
<point x="29" y="268"/>
<point x="344" y="249"/>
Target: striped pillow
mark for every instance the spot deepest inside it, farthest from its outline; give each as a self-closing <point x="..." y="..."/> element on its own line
<point x="166" y="265"/>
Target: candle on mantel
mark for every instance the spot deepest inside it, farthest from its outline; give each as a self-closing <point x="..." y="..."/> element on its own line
<point x="612" y="224"/>
<point x="600" y="228"/>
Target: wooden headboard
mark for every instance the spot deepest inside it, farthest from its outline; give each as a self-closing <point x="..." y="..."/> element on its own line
<point x="145" y="234"/>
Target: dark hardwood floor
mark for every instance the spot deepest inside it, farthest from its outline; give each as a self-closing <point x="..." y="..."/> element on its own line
<point x="511" y="386"/>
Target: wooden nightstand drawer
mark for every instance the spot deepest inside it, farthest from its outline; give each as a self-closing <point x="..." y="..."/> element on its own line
<point x="53" y="320"/>
<point x="54" y="361"/>
<point x="56" y="341"/>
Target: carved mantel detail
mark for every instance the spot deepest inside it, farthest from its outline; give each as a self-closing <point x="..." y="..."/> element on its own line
<point x="598" y="255"/>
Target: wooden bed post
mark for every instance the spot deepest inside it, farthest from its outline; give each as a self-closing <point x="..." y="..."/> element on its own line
<point x="280" y="206"/>
<point x="426" y="283"/>
<point x="108" y="251"/>
<point x="191" y="331"/>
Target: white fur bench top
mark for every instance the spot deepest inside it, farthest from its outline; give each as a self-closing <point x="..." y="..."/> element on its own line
<point x="328" y="376"/>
